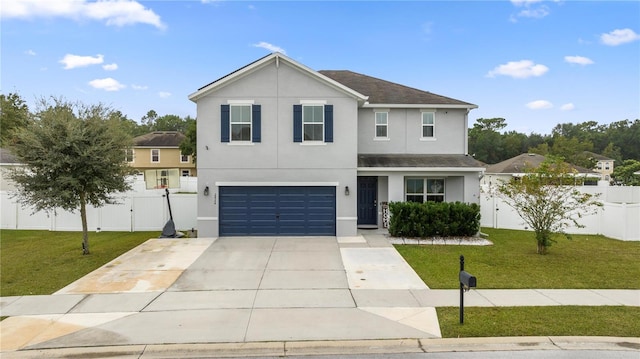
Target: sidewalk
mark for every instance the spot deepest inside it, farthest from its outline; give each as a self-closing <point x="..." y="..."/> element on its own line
<point x="246" y="294"/>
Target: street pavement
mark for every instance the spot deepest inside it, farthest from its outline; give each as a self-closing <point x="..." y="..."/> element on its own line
<point x="275" y="296"/>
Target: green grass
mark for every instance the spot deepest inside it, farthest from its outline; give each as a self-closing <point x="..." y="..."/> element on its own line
<point x="585" y="262"/>
<point x="42" y="262"/>
<point x="540" y="321"/>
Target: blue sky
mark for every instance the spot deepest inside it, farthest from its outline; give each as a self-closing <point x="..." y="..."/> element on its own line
<point x="534" y="63"/>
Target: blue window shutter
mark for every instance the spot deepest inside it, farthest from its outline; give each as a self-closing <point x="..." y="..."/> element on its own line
<point x="328" y="123"/>
<point x="224" y="123"/>
<point x="255" y="123"/>
<point x="297" y="123"/>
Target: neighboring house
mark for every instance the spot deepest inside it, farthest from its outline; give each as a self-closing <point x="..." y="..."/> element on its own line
<point x="286" y="150"/>
<point x="604" y="165"/>
<point x="7" y="161"/>
<point x="157" y="155"/>
<point x="519" y="165"/>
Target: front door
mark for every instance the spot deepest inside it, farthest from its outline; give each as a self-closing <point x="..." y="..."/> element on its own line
<point x="367" y="200"/>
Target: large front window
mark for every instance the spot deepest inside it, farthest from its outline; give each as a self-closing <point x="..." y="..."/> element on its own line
<point x="424" y="189"/>
<point x="313" y="122"/>
<point x="240" y="121"/>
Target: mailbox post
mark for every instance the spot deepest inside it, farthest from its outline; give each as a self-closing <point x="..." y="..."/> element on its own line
<point x="466" y="281"/>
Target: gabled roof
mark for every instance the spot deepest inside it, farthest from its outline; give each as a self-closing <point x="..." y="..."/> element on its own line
<point x="597" y="157"/>
<point x="417" y="161"/>
<point x="389" y="93"/>
<point x="275" y="57"/>
<point x="159" y="139"/>
<point x="521" y="163"/>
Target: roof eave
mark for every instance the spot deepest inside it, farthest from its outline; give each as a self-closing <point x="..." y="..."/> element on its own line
<point x="422" y="169"/>
<point x="420" y="105"/>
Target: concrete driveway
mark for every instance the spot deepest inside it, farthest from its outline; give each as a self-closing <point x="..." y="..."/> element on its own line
<point x="248" y="289"/>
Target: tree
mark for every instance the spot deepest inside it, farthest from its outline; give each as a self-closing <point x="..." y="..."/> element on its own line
<point x="14" y="114"/>
<point x="189" y="144"/>
<point x="74" y="156"/>
<point x="547" y="202"/>
<point x="485" y="142"/>
<point x="624" y="173"/>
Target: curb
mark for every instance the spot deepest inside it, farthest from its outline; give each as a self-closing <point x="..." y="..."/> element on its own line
<point x="285" y="349"/>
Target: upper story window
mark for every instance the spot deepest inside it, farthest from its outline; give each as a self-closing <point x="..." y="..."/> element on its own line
<point x="313" y="122"/>
<point x="428" y="125"/>
<point x="128" y="156"/>
<point x="155" y="155"/>
<point x="184" y="158"/>
<point x="382" y="125"/>
<point x="240" y="121"/>
<point x="424" y="189"/>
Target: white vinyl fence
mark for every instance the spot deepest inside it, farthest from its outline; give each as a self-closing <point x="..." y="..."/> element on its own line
<point x="137" y="210"/>
<point x="618" y="218"/>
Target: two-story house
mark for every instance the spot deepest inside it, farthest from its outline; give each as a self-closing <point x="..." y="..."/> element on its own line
<point x="286" y="150"/>
<point x="604" y="165"/>
<point x="157" y="155"/>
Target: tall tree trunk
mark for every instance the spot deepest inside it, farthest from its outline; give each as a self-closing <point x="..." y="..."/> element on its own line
<point x="85" y="230"/>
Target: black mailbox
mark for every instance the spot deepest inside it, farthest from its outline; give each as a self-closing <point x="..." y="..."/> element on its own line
<point x="467" y="280"/>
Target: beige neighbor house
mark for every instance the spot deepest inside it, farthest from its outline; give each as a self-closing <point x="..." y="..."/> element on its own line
<point x="604" y="165"/>
<point x="519" y="165"/>
<point x="157" y="155"/>
<point x="7" y="161"/>
<point x="284" y="150"/>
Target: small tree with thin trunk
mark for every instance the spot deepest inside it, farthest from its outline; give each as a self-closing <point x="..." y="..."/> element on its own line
<point x="73" y="156"/>
<point x="547" y="199"/>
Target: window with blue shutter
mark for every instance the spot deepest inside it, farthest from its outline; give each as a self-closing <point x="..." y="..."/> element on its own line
<point x="256" y="123"/>
<point x="297" y="123"/>
<point x="224" y="123"/>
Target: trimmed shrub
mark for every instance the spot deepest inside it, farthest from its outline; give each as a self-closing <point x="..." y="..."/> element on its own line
<point x="434" y="219"/>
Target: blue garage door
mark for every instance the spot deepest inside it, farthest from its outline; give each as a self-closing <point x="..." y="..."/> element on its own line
<point x="271" y="211"/>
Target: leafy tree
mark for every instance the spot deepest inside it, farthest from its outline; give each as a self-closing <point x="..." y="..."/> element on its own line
<point x="485" y="142"/>
<point x="14" y="113"/>
<point x="546" y="201"/>
<point x="74" y="156"/>
<point x="189" y="144"/>
<point x="624" y="173"/>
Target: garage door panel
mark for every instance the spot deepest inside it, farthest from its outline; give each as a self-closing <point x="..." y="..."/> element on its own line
<point x="277" y="211"/>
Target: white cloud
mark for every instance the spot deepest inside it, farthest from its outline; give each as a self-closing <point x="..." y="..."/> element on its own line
<point x="110" y="67"/>
<point x="580" y="60"/>
<point x="139" y="87"/>
<point x="270" y="47"/>
<point x="619" y="37"/>
<point x="567" y="107"/>
<point x="519" y="69"/>
<point x="107" y="84"/>
<point x="539" y="105"/>
<point x="30" y="53"/>
<point x="531" y="9"/>
<point x="524" y="2"/>
<point x="112" y="12"/>
<point x="73" y="61"/>
<point x="164" y="94"/>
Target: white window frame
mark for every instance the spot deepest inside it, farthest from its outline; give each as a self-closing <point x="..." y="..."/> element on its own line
<point x="185" y="173"/>
<point x="231" y="122"/>
<point x="312" y="104"/>
<point x="133" y="155"/>
<point x="184" y="156"/>
<point x="151" y="157"/>
<point x="376" y="125"/>
<point x="423" y="125"/>
<point x="426" y="193"/>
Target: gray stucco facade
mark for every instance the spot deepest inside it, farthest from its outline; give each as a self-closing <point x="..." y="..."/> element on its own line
<point x="275" y="85"/>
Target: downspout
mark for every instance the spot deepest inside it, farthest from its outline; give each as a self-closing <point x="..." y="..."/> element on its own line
<point x="466" y="131"/>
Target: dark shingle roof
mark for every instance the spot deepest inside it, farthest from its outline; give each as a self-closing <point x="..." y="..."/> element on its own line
<point x="597" y="157"/>
<point x="520" y="163"/>
<point x="159" y="139"/>
<point x="385" y="92"/>
<point x="416" y="160"/>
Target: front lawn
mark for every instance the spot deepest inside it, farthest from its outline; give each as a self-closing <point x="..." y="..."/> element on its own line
<point x="585" y="262"/>
<point x="42" y="262"/>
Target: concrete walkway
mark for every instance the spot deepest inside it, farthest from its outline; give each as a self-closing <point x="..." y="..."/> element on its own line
<point x="244" y="293"/>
